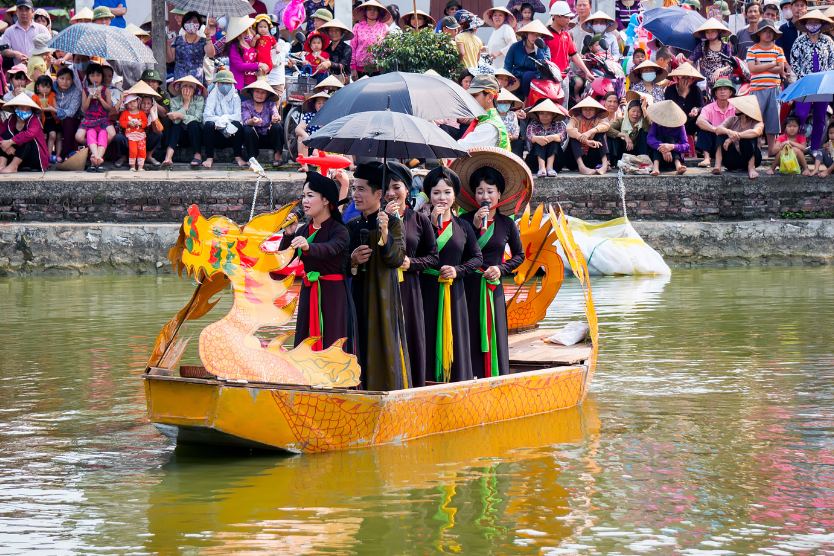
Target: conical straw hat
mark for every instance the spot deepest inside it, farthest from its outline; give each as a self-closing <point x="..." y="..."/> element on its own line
<point x="260" y="85"/>
<point x="307" y="102"/>
<point x="535" y="26"/>
<point x="331" y="81"/>
<point x="238" y="25"/>
<point x="712" y="24"/>
<point x="405" y="20"/>
<point x="347" y="34"/>
<point x="634" y="95"/>
<point x="175" y="88"/>
<point x="383" y="17"/>
<point x="76" y="162"/>
<point x="137" y="31"/>
<point x="661" y="73"/>
<point x="83" y="13"/>
<point x="816" y="14"/>
<point x="748" y="105"/>
<point x="142" y="89"/>
<point x="667" y="114"/>
<point x="22" y="101"/>
<point x="686" y="70"/>
<point x="829" y="13"/>
<point x="612" y="25"/>
<point x="505" y="96"/>
<point x="518" y="181"/>
<point x="586" y="102"/>
<point x="510" y="17"/>
<point x="549" y="106"/>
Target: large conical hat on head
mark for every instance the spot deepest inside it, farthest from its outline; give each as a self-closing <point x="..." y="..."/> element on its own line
<point x="383" y="17"/>
<point x="712" y="24"/>
<point x="511" y="21"/>
<point x="661" y="73"/>
<point x="518" y="181"/>
<point x="505" y="96"/>
<point x="612" y="25"/>
<point x="347" y="34"/>
<point x="137" y="31"/>
<point x="175" y="88"/>
<point x="331" y="81"/>
<point x="405" y="20"/>
<point x="687" y="70"/>
<point x="142" y="89"/>
<point x="238" y="25"/>
<point x="83" y="13"/>
<point x="21" y="101"/>
<point x="667" y="114"/>
<point x="587" y="102"/>
<point x="260" y="85"/>
<point x="815" y="14"/>
<point x="548" y="105"/>
<point x="535" y="26"/>
<point x="748" y="105"/>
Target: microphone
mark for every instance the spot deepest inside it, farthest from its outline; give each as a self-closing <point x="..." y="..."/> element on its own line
<point x="484" y="219"/>
<point x="539" y="43"/>
<point x="364" y="239"/>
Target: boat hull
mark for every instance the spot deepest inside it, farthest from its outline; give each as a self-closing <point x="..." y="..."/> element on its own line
<point x="308" y="420"/>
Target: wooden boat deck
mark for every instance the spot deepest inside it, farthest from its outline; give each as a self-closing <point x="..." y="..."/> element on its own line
<point x="527" y="348"/>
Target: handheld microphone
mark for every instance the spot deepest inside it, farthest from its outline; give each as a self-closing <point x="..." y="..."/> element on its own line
<point x="539" y="43"/>
<point x="364" y="239"/>
<point x="484" y="219"/>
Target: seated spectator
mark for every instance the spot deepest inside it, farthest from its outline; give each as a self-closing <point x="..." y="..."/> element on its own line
<point x="613" y="109"/>
<point x="22" y="143"/>
<point x="688" y="96"/>
<point x="329" y="85"/>
<point x="311" y="106"/>
<point x="45" y="96"/>
<point x="638" y="56"/>
<point x="465" y="79"/>
<point x="40" y="59"/>
<point x="154" y="81"/>
<point x="187" y="104"/>
<point x="645" y="79"/>
<point x="221" y="119"/>
<point x="519" y="58"/>
<point x="506" y="80"/>
<point x="507" y="103"/>
<point x="712" y="116"/>
<point x="262" y="122"/>
<point x="95" y="128"/>
<point x="825" y="155"/>
<point x="587" y="144"/>
<point x="153" y="138"/>
<point x="739" y="138"/>
<point x="67" y="107"/>
<point x="546" y="134"/>
<point x="667" y="137"/>
<point x="797" y="143"/>
<point x="629" y="134"/>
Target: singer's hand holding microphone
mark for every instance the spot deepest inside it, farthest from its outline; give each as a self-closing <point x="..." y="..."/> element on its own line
<point x="482" y="216"/>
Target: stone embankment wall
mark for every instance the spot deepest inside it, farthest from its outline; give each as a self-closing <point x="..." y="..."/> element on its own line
<point x="155" y="198"/>
<point x="65" y="248"/>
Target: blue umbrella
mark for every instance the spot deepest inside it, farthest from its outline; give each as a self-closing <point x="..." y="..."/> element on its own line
<point x="102" y="41"/>
<point x="815" y="87"/>
<point x="673" y="26"/>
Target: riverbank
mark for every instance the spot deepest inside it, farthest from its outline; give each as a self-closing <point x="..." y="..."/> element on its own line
<point x="164" y="195"/>
<point x="80" y="248"/>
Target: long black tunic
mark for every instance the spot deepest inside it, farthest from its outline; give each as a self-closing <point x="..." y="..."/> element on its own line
<point x="382" y="348"/>
<point x="461" y="252"/>
<point x="421" y="249"/>
<point x="328" y="254"/>
<point x="504" y="233"/>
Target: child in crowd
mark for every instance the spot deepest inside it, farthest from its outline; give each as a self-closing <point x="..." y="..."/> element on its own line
<point x="67" y="104"/>
<point x="526" y="16"/>
<point x="663" y="58"/>
<point x="96" y="126"/>
<point x="637" y="58"/>
<point x="586" y="129"/>
<point x="546" y="134"/>
<point x="18" y="80"/>
<point x="739" y="136"/>
<point x="797" y="142"/>
<point x="825" y="155"/>
<point x="507" y="103"/>
<point x="264" y="42"/>
<point x="314" y="47"/>
<point x="468" y="43"/>
<point x="311" y="106"/>
<point x="506" y="80"/>
<point x="51" y="126"/>
<point x="767" y="62"/>
<point x="134" y="122"/>
<point x="667" y="136"/>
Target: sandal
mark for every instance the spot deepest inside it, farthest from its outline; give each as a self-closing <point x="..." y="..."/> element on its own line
<point x="195" y="162"/>
<point x="552" y="173"/>
<point x="91" y="169"/>
<point x="100" y="169"/>
<point x="541" y="173"/>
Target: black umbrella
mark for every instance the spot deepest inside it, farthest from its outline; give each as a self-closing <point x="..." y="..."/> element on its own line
<point x="384" y="134"/>
<point x="426" y="96"/>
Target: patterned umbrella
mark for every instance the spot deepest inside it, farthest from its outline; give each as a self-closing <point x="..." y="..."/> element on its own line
<point x="102" y="41"/>
<point x="215" y="8"/>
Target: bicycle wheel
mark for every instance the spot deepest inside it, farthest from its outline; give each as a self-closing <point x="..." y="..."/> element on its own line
<point x="291" y="121"/>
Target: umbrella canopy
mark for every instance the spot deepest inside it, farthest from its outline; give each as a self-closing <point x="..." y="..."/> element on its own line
<point x="422" y="95"/>
<point x="102" y="41"/>
<point x="385" y="134"/>
<point x="215" y="8"/>
<point x="814" y="87"/>
<point x="674" y="26"/>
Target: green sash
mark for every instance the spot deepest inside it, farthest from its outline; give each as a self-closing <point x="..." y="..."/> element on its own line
<point x="309" y="240"/>
<point x="493" y="118"/>
<point x="484" y="239"/>
<point x="443" y="343"/>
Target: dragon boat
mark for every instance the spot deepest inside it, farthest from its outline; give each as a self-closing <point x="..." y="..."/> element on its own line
<point x="252" y="392"/>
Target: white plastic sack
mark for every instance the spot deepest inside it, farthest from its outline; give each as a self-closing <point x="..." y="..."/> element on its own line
<point x="614" y="247"/>
<point x="572" y="333"/>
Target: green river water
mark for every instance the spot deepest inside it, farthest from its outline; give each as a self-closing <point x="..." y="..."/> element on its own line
<point x="709" y="430"/>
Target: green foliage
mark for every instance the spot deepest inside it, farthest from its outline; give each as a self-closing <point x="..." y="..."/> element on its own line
<point x="416" y="52"/>
<point x="805" y="215"/>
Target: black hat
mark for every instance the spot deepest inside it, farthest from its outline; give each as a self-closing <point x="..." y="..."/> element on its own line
<point x="399" y="172"/>
<point x="328" y="189"/>
<point x="487" y="172"/>
<point x="371" y="172"/>
<point x="441" y="172"/>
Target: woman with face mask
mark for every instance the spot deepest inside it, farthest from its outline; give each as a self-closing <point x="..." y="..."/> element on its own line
<point x="22" y="143"/>
<point x="645" y="79"/>
<point x="601" y="23"/>
<point x="221" y="119"/>
<point x="813" y="52"/>
<point x="187" y="51"/>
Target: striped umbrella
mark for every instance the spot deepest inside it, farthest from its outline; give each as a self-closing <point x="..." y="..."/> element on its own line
<point x="102" y="41"/>
<point x="215" y="8"/>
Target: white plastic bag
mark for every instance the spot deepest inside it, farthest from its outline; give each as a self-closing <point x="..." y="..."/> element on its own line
<point x="572" y="333"/>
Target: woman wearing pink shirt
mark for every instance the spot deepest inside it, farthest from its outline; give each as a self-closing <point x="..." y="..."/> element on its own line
<point x="373" y="21"/>
<point x="243" y="60"/>
<point x="713" y="115"/>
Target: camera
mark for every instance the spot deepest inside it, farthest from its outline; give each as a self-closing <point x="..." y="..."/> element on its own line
<point x="171" y="36"/>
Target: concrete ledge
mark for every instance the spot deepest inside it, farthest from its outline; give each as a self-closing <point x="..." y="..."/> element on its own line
<point x="75" y="248"/>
